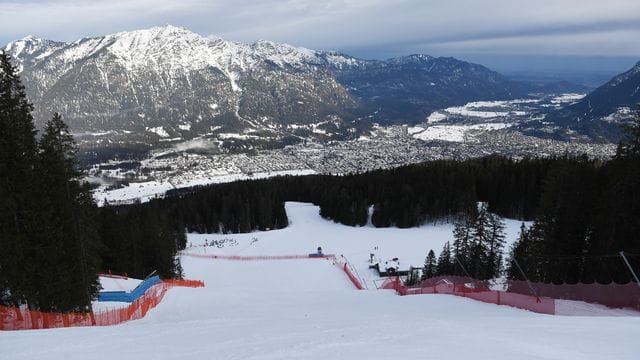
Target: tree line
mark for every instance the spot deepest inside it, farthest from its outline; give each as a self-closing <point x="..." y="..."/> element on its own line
<point x="403" y="197"/>
<point x="589" y="212"/>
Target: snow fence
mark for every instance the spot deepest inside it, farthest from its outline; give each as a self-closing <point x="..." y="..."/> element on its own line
<point x="612" y="295"/>
<point x="341" y="263"/>
<point x="257" y="257"/>
<point x="12" y="318"/>
<point x="542" y="305"/>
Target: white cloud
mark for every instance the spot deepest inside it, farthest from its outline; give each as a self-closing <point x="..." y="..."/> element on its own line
<point x="590" y="27"/>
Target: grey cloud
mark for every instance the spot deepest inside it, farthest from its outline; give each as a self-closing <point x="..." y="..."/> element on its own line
<point x="509" y="26"/>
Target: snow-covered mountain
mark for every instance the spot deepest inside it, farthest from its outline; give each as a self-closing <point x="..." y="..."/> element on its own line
<point x="172" y="78"/>
<point x="168" y="82"/>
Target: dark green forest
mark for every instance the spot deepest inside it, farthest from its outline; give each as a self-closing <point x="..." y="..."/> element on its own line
<point x="54" y="240"/>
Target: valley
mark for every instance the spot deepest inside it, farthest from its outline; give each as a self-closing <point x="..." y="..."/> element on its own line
<point x="474" y="130"/>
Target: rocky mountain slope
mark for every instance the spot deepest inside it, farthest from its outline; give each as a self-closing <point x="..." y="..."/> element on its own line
<point x="168" y="83"/>
<point x="600" y="113"/>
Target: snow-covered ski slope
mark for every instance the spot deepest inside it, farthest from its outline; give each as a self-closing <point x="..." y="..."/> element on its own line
<point x="308" y="309"/>
<point x="307" y="231"/>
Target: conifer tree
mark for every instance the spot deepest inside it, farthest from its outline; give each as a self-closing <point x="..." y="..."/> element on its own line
<point x="430" y="264"/>
<point x="18" y="217"/>
<point x="445" y="262"/>
<point x="463" y="242"/>
<point x="495" y="247"/>
<point x="67" y="209"/>
<point x="479" y="249"/>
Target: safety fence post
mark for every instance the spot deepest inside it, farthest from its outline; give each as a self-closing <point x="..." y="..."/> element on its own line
<point x="533" y="292"/>
<point x="626" y="261"/>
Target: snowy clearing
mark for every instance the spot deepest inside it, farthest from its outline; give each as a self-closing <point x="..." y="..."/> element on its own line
<point x="307" y="230"/>
<point x="145" y="191"/>
<point x="453" y="133"/>
<point x="308" y="309"/>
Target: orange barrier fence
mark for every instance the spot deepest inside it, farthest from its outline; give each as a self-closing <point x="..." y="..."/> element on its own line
<point x="12" y="318"/>
<point x="352" y="277"/>
<point x="611" y="295"/>
<point x="114" y="275"/>
<point x="184" y="283"/>
<point x="344" y="266"/>
<point x="258" y="257"/>
<point x="543" y="305"/>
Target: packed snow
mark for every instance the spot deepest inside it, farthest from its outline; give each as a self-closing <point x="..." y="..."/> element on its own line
<point x="308" y="309"/>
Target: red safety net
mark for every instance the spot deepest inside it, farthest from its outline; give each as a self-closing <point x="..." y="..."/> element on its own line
<point x="611" y="295"/>
<point x="342" y="264"/>
<point x="456" y="287"/>
<point x="258" y="257"/>
<point x="114" y="275"/>
<point x="12" y="318"/>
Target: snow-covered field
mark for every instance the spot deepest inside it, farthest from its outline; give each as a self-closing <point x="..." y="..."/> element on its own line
<point x="453" y="133"/>
<point x="145" y="191"/>
<point x="461" y="123"/>
<point x="308" y="309"/>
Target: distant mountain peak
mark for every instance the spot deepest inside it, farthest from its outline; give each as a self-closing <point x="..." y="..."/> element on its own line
<point x="600" y="113"/>
<point x="413" y="58"/>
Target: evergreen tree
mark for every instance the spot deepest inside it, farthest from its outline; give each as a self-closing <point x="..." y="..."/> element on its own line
<point x="480" y="246"/>
<point x="529" y="252"/>
<point x="445" y="265"/>
<point x="463" y="242"/>
<point x="18" y="218"/>
<point x="430" y="264"/>
<point x="496" y="240"/>
<point x="70" y="261"/>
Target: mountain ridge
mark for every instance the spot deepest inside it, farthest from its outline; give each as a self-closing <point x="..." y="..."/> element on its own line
<point x="600" y="113"/>
<point x="169" y="82"/>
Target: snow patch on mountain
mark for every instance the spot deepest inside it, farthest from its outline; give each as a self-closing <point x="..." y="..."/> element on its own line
<point x="169" y="47"/>
<point x="453" y="133"/>
<point x="159" y="130"/>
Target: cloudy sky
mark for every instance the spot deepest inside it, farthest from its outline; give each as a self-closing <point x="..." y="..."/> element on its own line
<point x="365" y="28"/>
